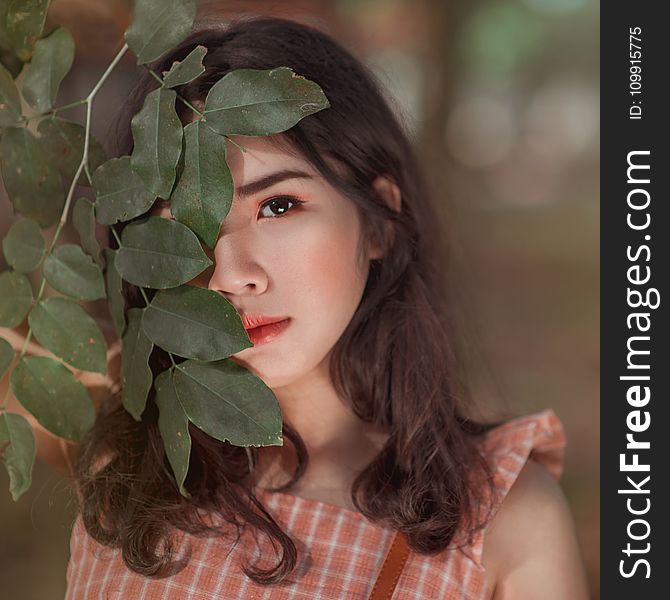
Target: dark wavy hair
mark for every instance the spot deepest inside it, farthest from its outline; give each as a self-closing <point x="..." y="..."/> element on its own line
<point x="396" y="364"/>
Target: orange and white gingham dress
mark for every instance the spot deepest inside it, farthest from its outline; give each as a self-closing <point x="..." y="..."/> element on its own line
<point x="340" y="552"/>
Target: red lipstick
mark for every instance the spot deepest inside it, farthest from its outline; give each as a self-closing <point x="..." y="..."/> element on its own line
<point x="262" y="329"/>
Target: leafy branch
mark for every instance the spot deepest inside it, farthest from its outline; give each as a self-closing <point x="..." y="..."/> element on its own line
<point x="205" y="389"/>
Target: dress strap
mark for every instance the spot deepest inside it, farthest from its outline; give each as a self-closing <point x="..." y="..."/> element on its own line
<point x="388" y="576"/>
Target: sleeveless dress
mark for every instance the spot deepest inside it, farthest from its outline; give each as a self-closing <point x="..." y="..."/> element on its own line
<point x="340" y="552"/>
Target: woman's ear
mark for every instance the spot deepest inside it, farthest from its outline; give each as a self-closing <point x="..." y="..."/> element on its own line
<point x="390" y="193"/>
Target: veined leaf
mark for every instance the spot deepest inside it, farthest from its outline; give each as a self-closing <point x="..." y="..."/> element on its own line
<point x="261" y="102"/>
<point x="114" y="294"/>
<point x="16" y="296"/>
<point x="51" y="61"/>
<point x="135" y="371"/>
<point x="17" y="451"/>
<point x="187" y="70"/>
<point x="74" y="273"/>
<point x="228" y="402"/>
<point x="159" y="253"/>
<point x="173" y="427"/>
<point x="158" y="26"/>
<point x="66" y="329"/>
<point x="24" y="22"/>
<point x="204" y="192"/>
<point x="33" y="184"/>
<point x="52" y="394"/>
<point x="157" y="134"/>
<point x="119" y="192"/>
<point x="23" y="245"/>
<point x="195" y="322"/>
<point x="6" y="356"/>
<point x="83" y="219"/>
<point x="63" y="141"/>
<point x="10" y="103"/>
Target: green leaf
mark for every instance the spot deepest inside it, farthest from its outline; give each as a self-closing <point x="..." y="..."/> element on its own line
<point x="204" y="192"/>
<point x="23" y="245"/>
<point x="120" y="194"/>
<point x="135" y="372"/>
<point x="114" y="293"/>
<point x="73" y="273"/>
<point x="10" y="103"/>
<point x="25" y="21"/>
<point x="33" y="184"/>
<point x="66" y="329"/>
<point x="157" y="134"/>
<point x="158" y="26"/>
<point x="195" y="322"/>
<point x="63" y="142"/>
<point x="261" y="102"/>
<point x="83" y="219"/>
<point x="173" y="427"/>
<point x="17" y="451"/>
<point x="228" y="402"/>
<point x="16" y="296"/>
<point x="6" y="356"/>
<point x="187" y="70"/>
<point x="52" y="59"/>
<point x="159" y="253"/>
<point x="52" y="394"/>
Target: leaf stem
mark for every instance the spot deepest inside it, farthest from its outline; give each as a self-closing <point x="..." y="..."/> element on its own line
<point x="180" y="98"/>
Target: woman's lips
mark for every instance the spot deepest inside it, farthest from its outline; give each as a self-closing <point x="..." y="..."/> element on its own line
<point x="260" y="334"/>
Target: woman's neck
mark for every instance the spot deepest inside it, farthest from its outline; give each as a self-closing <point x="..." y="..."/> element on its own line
<point x="340" y="445"/>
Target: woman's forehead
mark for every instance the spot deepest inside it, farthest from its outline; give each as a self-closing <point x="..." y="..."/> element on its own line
<point x="260" y="156"/>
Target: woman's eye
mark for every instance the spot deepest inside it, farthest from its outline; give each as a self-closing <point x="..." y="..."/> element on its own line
<point x="276" y="207"/>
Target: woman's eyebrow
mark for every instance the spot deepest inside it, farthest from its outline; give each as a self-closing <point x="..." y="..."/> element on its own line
<point x="269" y="180"/>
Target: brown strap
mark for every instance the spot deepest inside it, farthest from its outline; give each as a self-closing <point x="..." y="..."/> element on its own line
<point x="391" y="569"/>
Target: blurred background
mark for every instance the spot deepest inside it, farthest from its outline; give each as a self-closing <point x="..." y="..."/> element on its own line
<point x="502" y="100"/>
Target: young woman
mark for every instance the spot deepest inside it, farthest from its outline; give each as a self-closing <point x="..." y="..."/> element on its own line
<point x="385" y="483"/>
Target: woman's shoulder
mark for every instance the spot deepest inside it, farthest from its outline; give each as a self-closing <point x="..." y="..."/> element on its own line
<point x="529" y="543"/>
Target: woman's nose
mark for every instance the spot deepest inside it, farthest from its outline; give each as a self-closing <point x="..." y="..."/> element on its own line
<point x="237" y="271"/>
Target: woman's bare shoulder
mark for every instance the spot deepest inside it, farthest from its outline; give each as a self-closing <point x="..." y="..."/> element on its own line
<point x="531" y="543"/>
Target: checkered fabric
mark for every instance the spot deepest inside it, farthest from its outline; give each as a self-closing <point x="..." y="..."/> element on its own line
<point x="340" y="552"/>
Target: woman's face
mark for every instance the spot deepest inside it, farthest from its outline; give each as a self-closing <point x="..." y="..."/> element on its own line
<point x="289" y="248"/>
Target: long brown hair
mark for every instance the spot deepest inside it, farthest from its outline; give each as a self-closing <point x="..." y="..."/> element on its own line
<point x="396" y="365"/>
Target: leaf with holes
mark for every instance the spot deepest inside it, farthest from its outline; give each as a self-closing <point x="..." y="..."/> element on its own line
<point x="261" y="102"/>
<point x="66" y="329"/>
<point x="120" y="194"/>
<point x="187" y="70"/>
<point x="53" y="395"/>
